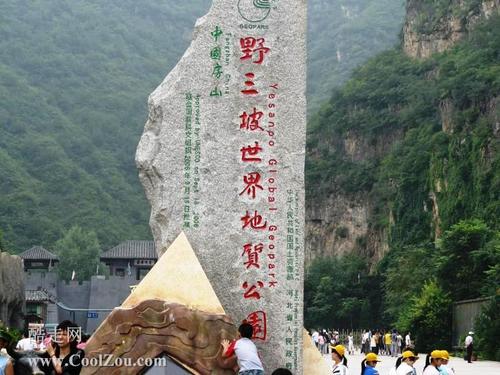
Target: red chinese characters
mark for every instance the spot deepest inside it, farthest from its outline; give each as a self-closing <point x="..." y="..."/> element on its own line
<point x="258" y="321"/>
<point x="252" y="254"/>
<point x="251" y="121"/>
<point x="251" y="181"/>
<point x="251" y="47"/>
<point x="250" y="153"/>
<point x="250" y="90"/>
<point x="254" y="221"/>
<point x="251" y="291"/>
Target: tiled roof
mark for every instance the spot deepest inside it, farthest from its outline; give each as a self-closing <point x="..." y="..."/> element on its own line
<point x="38" y="253"/>
<point x="132" y="250"/>
<point x="36" y="296"/>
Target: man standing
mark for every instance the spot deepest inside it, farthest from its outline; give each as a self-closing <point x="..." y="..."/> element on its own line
<point x="469" y="346"/>
<point x="408" y="340"/>
<point x="315" y="337"/>
<point x="26" y="343"/>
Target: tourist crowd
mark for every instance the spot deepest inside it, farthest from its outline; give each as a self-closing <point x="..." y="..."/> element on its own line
<point x="380" y="342"/>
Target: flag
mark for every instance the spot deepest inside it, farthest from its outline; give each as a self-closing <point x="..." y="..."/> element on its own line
<point x="73" y="275"/>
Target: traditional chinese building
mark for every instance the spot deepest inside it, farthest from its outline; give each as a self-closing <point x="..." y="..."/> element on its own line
<point x="50" y="300"/>
<point x="38" y="259"/>
<point x="40" y="283"/>
<point x="131" y="258"/>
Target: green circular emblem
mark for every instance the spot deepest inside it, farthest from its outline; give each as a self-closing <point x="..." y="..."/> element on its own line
<point x="254" y="10"/>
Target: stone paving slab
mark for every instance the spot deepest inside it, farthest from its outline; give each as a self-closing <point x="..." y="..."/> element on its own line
<point x="461" y="367"/>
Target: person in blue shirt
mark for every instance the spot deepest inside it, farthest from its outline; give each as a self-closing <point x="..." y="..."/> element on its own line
<point x="368" y="364"/>
<point x="6" y="367"/>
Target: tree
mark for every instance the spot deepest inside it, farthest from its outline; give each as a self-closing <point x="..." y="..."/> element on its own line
<point x="78" y="251"/>
<point x="340" y="293"/>
<point x="463" y="258"/>
<point x="488" y="330"/>
<point x="408" y="270"/>
<point x="429" y="318"/>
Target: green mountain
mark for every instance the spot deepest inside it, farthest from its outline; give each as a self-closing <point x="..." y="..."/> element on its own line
<point x="403" y="170"/>
<point x="74" y="81"/>
<point x="342" y="34"/>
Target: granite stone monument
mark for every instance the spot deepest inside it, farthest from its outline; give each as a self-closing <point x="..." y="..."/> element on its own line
<point x="222" y="160"/>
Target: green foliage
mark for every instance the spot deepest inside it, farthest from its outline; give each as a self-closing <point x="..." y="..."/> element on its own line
<point x="463" y="258"/>
<point x="487" y="328"/>
<point x="424" y="132"/>
<point x="342" y="232"/>
<point x="339" y="292"/>
<point x="428" y="318"/>
<point x="410" y="268"/>
<point x="432" y="12"/>
<point x="78" y="251"/>
<point x="74" y="81"/>
<point x="342" y="35"/>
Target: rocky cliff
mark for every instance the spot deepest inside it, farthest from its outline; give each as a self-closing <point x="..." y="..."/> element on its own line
<point x="11" y="290"/>
<point x="433" y="26"/>
<point x="342" y="221"/>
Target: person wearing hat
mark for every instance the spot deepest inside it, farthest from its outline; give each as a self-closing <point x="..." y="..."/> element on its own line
<point x="339" y="360"/>
<point x="368" y="364"/>
<point x="405" y="364"/>
<point x="469" y="345"/>
<point x="433" y="362"/>
<point x="445" y="368"/>
<point x="6" y="366"/>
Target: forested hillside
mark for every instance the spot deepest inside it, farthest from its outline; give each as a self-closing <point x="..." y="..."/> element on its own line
<point x="343" y="34"/>
<point x="74" y="82"/>
<point x="416" y="141"/>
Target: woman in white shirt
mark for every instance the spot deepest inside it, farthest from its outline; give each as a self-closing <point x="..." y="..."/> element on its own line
<point x="407" y="362"/>
<point x="433" y="361"/>
<point x="339" y="360"/>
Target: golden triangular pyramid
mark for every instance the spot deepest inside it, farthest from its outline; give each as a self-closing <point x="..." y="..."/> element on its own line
<point x="178" y="277"/>
<point x="314" y="363"/>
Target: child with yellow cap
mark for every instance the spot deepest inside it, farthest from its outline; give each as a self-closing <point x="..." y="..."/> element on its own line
<point x="405" y="364"/>
<point x="445" y="368"/>
<point x="369" y="363"/>
<point x="433" y="362"/>
<point x="339" y="360"/>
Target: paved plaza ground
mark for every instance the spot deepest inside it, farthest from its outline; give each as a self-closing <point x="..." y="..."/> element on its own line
<point x="461" y="367"/>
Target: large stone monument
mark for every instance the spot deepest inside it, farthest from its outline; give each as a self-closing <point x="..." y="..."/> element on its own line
<point x="222" y="160"/>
